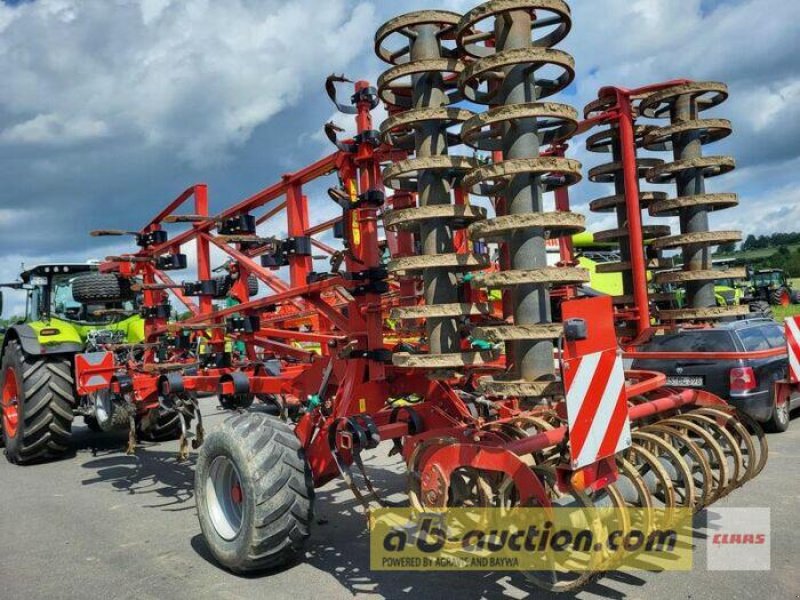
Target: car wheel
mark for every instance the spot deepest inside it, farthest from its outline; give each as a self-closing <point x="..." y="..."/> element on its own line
<point x="779" y="421"/>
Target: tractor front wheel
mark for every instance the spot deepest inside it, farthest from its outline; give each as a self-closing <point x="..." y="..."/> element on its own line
<point x="254" y="493"/>
<point x="37" y="402"/>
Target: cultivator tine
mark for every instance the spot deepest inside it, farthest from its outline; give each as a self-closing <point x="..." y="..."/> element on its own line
<point x="185" y="219"/>
<point x="131" y="448"/>
<point x="200" y="432"/>
<point x="111" y="232"/>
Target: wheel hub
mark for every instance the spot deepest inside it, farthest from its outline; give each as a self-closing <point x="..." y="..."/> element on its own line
<point x="10" y="404"/>
<point x="225" y="497"/>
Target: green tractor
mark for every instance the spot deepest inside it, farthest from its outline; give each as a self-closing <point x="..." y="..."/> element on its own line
<point x="71" y="309"/>
<point x="771" y="286"/>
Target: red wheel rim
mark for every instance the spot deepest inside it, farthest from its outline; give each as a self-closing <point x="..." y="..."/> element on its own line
<point x="236" y="493"/>
<point x="10" y="403"/>
<point x="785" y="299"/>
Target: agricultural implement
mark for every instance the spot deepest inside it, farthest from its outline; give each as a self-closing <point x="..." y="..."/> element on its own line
<point x="488" y="399"/>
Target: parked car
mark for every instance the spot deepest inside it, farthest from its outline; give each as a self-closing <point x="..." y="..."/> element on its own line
<point x="744" y="382"/>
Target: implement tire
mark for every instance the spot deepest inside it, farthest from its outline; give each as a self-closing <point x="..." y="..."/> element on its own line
<point x="37" y="398"/>
<point x="163" y="426"/>
<point x="254" y="493"/>
<point x="101" y="288"/>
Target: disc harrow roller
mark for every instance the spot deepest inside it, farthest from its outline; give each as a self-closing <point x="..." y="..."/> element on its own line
<point x="510" y="65"/>
<point x="607" y="141"/>
<point x="419" y="89"/>
<point x="685" y="135"/>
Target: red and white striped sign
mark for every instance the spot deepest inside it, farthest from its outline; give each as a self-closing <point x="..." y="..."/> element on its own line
<point x="793" y="346"/>
<point x="597" y="407"/>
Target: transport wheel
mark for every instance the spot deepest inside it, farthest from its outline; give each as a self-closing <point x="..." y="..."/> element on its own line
<point x="95" y="288"/>
<point x="254" y="493"/>
<point x="37" y="404"/>
<point x="163" y="426"/>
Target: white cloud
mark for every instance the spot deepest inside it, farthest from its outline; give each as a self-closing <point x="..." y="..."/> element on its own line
<point x="194" y="77"/>
<point x="54" y="129"/>
<point x="106" y="108"/>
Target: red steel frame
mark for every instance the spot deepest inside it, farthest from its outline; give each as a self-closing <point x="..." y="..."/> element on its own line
<point x="350" y="340"/>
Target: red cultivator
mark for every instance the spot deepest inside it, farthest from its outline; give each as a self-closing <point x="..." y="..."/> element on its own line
<point x="490" y="403"/>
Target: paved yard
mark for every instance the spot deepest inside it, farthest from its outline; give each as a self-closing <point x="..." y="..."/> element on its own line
<point x="109" y="526"/>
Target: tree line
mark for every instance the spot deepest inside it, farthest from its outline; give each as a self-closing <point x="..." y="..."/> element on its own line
<point x="774" y="240"/>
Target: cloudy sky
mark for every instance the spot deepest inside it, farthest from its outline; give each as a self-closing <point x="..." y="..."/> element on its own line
<point x="109" y="109"/>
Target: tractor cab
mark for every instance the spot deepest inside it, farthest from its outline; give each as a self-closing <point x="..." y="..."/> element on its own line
<point x="51" y="295"/>
<point x="771" y="285"/>
<point x="49" y="290"/>
<point x="769" y="278"/>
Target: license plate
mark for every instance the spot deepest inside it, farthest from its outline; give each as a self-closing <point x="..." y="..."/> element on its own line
<point x="685" y="381"/>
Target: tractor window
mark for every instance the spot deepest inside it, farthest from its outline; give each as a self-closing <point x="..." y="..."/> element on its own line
<point x="63" y="304"/>
<point x="33" y="306"/>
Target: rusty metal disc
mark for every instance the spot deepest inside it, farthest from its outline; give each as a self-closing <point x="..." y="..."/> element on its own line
<point x="610" y="203"/>
<point x="394" y="84"/>
<point x="554" y="123"/>
<point x="507" y="333"/>
<point x="476" y="74"/>
<point x="543" y="276"/>
<point x="456" y="360"/>
<point x="609" y="172"/>
<point x="700" y="238"/>
<point x="492" y="179"/>
<point x="710" y="202"/>
<point x="440" y="311"/>
<point x="403" y="175"/>
<point x="403" y="27"/>
<point x="424" y="262"/>
<point x="505" y="388"/>
<point x="707" y="131"/>
<point x="457" y="216"/>
<point x="649" y="232"/>
<point x="556" y="224"/>
<point x="705" y="94"/>
<point x="707" y="166"/>
<point x="473" y="34"/>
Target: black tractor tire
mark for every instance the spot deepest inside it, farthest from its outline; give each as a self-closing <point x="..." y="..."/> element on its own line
<point x="795" y="296"/>
<point x="101" y="288"/>
<point x="44" y="400"/>
<point x="163" y="427"/>
<point x="225" y="283"/>
<point x="759" y="308"/>
<point x="779" y="421"/>
<point x="254" y="493"/>
<point x="780" y="297"/>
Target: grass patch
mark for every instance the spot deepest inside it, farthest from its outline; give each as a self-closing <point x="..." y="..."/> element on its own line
<point x="781" y="312"/>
